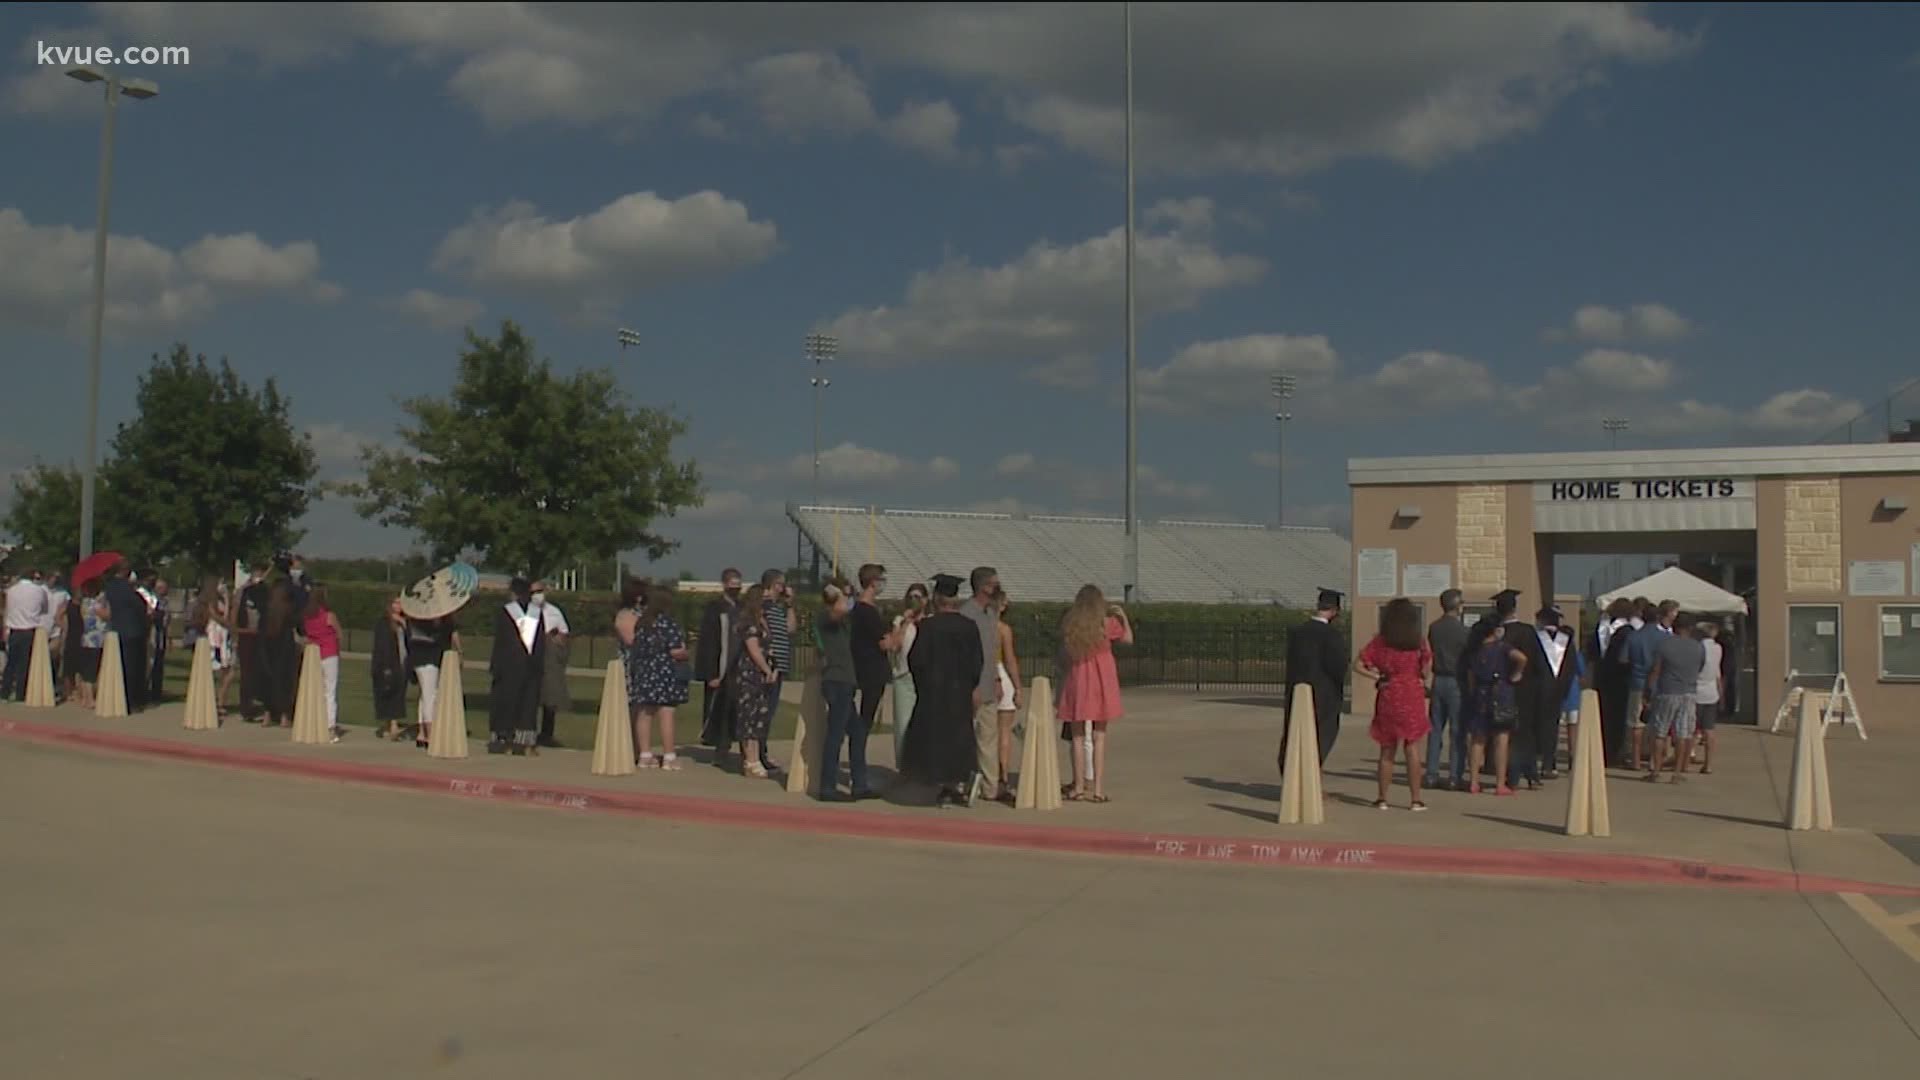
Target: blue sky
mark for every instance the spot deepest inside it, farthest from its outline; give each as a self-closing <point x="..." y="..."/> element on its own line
<point x="1461" y="228"/>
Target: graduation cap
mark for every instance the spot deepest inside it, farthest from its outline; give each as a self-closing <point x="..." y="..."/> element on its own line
<point x="1331" y="598"/>
<point x="946" y="585"/>
<point x="1506" y="594"/>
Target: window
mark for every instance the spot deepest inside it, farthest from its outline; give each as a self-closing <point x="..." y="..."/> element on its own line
<point x="1899" y="642"/>
<point x="1472" y="613"/>
<point x="1813" y="640"/>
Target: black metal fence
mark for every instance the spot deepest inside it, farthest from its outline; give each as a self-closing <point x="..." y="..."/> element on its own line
<point x="1201" y="656"/>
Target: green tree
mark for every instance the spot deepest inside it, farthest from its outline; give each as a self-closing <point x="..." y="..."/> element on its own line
<point x="45" y="517"/>
<point x="210" y="469"/>
<point x="536" y="471"/>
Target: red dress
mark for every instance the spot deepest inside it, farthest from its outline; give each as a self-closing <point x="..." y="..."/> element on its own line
<point x="1400" y="704"/>
<point x="1090" y="692"/>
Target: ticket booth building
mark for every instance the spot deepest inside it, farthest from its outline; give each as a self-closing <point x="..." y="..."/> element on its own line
<point x="1829" y="536"/>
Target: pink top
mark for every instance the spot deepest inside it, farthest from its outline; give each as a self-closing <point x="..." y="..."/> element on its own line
<point x="319" y="630"/>
<point x="1090" y="689"/>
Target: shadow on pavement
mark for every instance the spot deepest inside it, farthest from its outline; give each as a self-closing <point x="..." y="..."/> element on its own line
<point x="1762" y="822"/>
<point x="1536" y="826"/>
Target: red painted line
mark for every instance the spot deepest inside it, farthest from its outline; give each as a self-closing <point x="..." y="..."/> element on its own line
<point x="848" y="821"/>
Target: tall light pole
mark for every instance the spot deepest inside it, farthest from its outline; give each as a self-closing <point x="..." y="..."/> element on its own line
<point x="1282" y="390"/>
<point x="820" y="349"/>
<point x="628" y="338"/>
<point x="139" y="90"/>
<point x="1133" y="450"/>
<point x="1614" y="425"/>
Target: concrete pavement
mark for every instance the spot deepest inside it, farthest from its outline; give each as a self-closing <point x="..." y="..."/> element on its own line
<point x="172" y="922"/>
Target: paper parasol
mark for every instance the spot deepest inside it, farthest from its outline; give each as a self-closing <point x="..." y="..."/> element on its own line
<point x="440" y="594"/>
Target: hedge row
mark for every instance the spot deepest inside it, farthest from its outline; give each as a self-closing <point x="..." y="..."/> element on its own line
<point x="360" y="605"/>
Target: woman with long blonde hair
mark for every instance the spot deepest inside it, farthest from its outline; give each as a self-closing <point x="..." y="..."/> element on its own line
<point x="1090" y="689"/>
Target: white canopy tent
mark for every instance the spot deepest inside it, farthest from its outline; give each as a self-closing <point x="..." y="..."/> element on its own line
<point x="1691" y="593"/>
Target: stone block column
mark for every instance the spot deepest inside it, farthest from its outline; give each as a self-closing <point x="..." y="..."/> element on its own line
<point x="1813" y="535"/>
<point x="1480" y="537"/>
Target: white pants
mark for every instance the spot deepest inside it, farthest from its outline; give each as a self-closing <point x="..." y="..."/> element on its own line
<point x="330" y="678"/>
<point x="429" y="675"/>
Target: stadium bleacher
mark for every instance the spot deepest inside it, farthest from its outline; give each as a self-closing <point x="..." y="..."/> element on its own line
<point x="1048" y="558"/>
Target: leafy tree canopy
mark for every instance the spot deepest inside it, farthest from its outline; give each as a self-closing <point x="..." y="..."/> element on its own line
<point x="536" y="471"/>
<point x="45" y="518"/>
<point x="209" y="469"/>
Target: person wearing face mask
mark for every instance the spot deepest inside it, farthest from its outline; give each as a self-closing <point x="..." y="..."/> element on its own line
<point x="714" y="656"/>
<point x="555" y="693"/>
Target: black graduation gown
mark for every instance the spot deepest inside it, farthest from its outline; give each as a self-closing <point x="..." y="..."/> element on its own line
<point x="945" y="661"/>
<point x="1317" y="659"/>
<point x="1614" y="676"/>
<point x="713" y="654"/>
<point x="1532" y="739"/>
<point x="516" y="672"/>
<point x="389" y="672"/>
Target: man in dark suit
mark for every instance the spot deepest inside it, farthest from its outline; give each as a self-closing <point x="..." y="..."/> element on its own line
<point x="130" y="618"/>
<point x="1317" y="660"/>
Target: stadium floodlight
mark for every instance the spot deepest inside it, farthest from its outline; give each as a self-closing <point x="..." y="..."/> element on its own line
<point x="1282" y="386"/>
<point x="820" y="348"/>
<point x="1614" y="425"/>
<point x="139" y="90"/>
<point x="628" y="338"/>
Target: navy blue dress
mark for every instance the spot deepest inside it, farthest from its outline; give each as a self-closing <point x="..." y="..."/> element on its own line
<point x="654" y="677"/>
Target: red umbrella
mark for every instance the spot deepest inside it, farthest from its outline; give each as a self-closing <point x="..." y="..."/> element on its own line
<point x="93" y="566"/>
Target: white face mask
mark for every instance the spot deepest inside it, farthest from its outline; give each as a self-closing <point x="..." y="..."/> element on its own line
<point x="539" y="599"/>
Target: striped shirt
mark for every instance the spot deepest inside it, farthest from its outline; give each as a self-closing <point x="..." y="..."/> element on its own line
<point x="779" y="639"/>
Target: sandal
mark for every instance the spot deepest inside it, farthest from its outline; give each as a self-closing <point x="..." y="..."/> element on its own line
<point x="755" y="770"/>
<point x="1096" y="799"/>
<point x="1418" y="807"/>
<point x="1073" y="796"/>
<point x="671" y="763"/>
<point x="647" y="762"/>
<point x="1380" y="804"/>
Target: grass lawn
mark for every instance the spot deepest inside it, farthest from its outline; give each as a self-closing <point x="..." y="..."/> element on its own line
<point x="575" y="727"/>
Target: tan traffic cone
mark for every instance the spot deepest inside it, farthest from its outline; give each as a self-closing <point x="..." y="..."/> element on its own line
<point x="1039" y="752"/>
<point x="809" y="738"/>
<point x="201" y="715"/>
<point x="1301" y="799"/>
<point x="110" y="693"/>
<point x="449" y="737"/>
<point x="310" y="700"/>
<point x="1809" y="799"/>
<point x="1587" y="812"/>
<point x="40" y="673"/>
<point x="613" y="743"/>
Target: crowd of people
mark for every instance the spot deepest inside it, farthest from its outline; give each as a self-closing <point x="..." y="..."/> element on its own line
<point x="1490" y="700"/>
<point x="76" y="617"/>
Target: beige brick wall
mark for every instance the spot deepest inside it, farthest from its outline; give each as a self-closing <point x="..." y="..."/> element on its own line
<point x="1813" y="535"/>
<point x="1480" y="536"/>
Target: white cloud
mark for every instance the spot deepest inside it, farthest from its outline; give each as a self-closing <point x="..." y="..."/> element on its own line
<point x="1641" y="322"/>
<point x="805" y="93"/>
<point x="1075" y="371"/>
<point x="1014" y="158"/>
<point x="635" y="242"/>
<point x="1803" y="411"/>
<point x="46" y="276"/>
<point x="1625" y="371"/>
<point x="850" y="464"/>
<point x="438" y="311"/>
<point x="930" y="127"/>
<point x="1182" y="217"/>
<point x="1014" y="465"/>
<point x="1228" y="374"/>
<point x="1049" y="302"/>
<point x="1265" y="89"/>
<point x="720" y="506"/>
<point x="337" y="449"/>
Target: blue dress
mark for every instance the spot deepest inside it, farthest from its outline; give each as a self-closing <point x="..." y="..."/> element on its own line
<point x="1490" y="704"/>
<point x="654" y="677"/>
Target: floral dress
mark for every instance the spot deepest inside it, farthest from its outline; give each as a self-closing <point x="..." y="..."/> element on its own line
<point x="1400" y="703"/>
<point x="1490" y="704"/>
<point x="654" y="678"/>
<point x="752" y="707"/>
